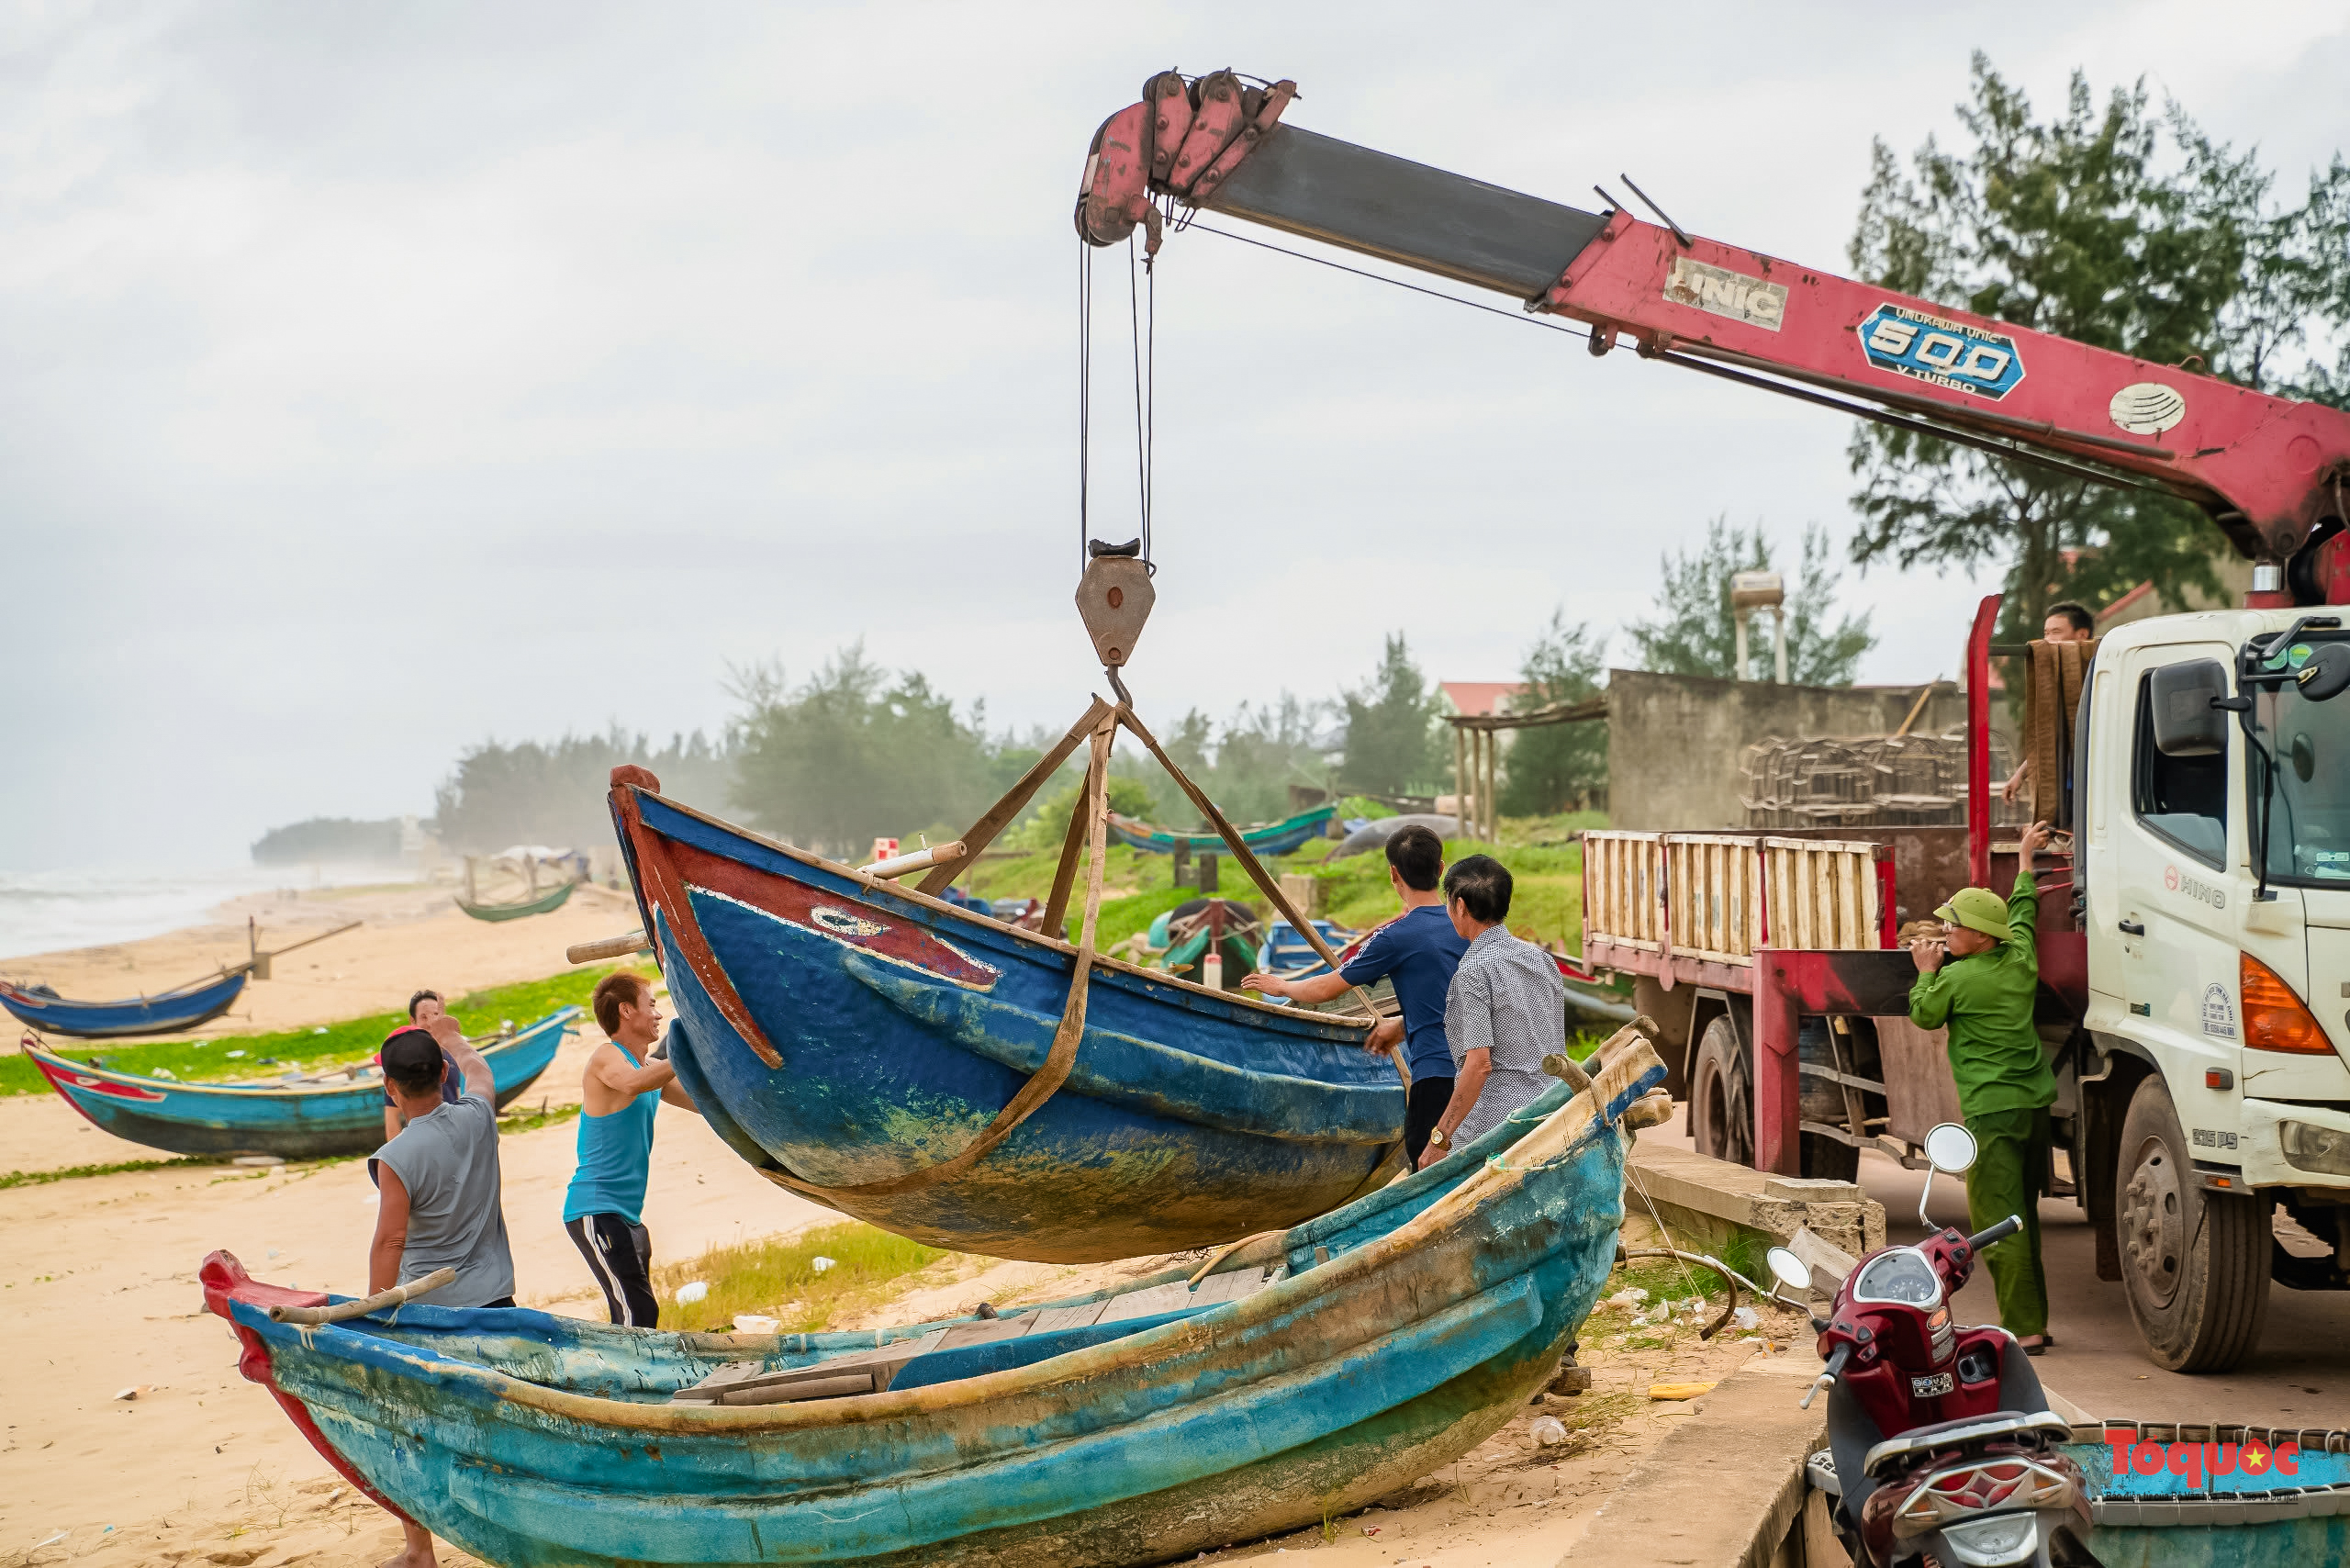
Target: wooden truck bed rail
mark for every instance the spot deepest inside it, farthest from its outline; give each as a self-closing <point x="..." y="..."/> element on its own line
<point x="1695" y="906"/>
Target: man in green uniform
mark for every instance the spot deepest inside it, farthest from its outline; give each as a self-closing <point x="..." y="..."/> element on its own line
<point x="1981" y="979"/>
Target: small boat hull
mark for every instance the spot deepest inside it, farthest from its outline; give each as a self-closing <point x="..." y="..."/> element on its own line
<point x="903" y="1024"/>
<point x="292" y="1122"/>
<point x="1403" y="1330"/>
<point x="545" y="903"/>
<point x="165" y="1015"/>
<point x="1276" y="838"/>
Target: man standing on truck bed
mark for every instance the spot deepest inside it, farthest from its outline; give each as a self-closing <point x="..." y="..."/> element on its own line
<point x="1982" y="981"/>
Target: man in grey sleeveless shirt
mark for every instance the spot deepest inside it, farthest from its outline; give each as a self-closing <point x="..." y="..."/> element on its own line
<point x="440" y="1203"/>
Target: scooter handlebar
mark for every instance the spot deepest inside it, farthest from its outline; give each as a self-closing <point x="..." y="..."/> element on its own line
<point x="1827" y="1379"/>
<point x="1998" y="1232"/>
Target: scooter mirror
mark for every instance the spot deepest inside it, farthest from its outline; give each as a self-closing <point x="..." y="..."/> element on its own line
<point x="1950" y="1149"/>
<point x="1789" y="1270"/>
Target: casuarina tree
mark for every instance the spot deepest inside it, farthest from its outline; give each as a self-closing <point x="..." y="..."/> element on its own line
<point x="1554" y="767"/>
<point x="1692" y="632"/>
<point x="1391" y="744"/>
<point x="2112" y="225"/>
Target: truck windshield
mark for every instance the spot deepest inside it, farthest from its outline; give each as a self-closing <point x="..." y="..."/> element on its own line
<point x="2309" y="834"/>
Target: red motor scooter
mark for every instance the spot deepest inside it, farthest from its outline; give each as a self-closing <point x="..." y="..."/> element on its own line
<point x="1942" y="1448"/>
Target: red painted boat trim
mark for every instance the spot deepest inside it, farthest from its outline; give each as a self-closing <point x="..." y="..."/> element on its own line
<point x="846" y="921"/>
<point x="657" y="884"/>
<point x="224" y="1280"/>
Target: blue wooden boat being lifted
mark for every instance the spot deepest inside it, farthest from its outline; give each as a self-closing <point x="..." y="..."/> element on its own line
<point x="909" y="1062"/>
<point x="1272" y="838"/>
<point x="1294" y="1376"/>
<point x="163" y="1013"/>
<point x="295" y="1119"/>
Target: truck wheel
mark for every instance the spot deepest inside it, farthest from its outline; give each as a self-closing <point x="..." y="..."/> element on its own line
<point x="1721" y="1097"/>
<point x="2194" y="1262"/>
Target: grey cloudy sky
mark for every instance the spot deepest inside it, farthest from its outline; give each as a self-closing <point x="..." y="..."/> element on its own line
<point x="377" y="380"/>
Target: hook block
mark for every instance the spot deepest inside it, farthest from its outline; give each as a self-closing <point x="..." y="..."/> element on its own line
<point x="1114" y="599"/>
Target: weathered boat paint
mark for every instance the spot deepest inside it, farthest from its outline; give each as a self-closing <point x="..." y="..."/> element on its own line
<point x="1410" y="1328"/>
<point x="1275" y="838"/>
<point x="182" y="1008"/>
<point x="902" y="1025"/>
<point x="292" y="1121"/>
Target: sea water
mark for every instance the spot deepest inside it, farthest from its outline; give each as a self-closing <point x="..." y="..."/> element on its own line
<point x="45" y="911"/>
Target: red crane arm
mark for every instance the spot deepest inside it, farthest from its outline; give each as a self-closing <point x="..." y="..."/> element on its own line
<point x="2272" y="473"/>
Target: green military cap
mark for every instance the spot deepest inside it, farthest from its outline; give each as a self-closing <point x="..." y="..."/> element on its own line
<point x="1977" y="909"/>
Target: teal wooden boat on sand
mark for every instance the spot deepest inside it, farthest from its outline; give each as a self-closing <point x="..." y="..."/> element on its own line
<point x="301" y="1116"/>
<point x="1293" y="1375"/>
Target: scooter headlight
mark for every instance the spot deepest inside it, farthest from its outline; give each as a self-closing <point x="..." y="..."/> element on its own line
<point x="1993" y="1541"/>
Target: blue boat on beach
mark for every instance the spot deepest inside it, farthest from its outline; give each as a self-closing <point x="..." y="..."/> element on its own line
<point x="846" y="1036"/>
<point x="298" y="1118"/>
<point x="1272" y="838"/>
<point x="1294" y="1376"/>
<point x="163" y="1013"/>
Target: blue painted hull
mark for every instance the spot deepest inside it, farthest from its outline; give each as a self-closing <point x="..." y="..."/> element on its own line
<point x="904" y="1025"/>
<point x="295" y="1121"/>
<point x="1411" y="1324"/>
<point x="1281" y="837"/>
<point x="2274" y="1518"/>
<point x="164" y="1014"/>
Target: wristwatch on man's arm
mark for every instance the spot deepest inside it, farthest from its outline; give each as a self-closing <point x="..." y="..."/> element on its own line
<point x="1435" y="1136"/>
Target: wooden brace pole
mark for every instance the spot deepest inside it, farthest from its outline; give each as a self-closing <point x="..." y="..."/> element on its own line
<point x="1000" y="815"/>
<point x="1240" y="850"/>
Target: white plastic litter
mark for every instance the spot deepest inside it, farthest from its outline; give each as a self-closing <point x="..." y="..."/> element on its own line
<point x="319" y="1030"/>
<point x="1546" y="1431"/>
<point x="165" y="1073"/>
<point x="234" y="1055"/>
<point x="692" y="1291"/>
<point x="1628" y="1298"/>
<point x="1744" y="1318"/>
<point x="752" y="1322"/>
<point x="820" y="1262"/>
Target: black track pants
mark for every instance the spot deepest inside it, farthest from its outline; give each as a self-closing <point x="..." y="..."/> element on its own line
<point x="621" y="1257"/>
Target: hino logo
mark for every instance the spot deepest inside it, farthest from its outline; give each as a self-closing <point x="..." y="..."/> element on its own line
<point x="2194" y="887"/>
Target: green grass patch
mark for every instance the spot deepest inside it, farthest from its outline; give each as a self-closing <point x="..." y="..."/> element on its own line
<point x="328" y="1044"/>
<point x="75" y="1172"/>
<point x="777" y="1277"/>
<point x="517" y="1122"/>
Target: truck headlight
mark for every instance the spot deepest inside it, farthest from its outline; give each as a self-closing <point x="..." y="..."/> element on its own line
<point x="2323" y="1151"/>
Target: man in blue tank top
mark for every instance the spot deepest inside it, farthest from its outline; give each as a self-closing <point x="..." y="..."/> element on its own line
<point x="624" y="1084"/>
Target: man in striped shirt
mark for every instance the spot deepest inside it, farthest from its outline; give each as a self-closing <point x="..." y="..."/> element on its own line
<point x="1507" y="1010"/>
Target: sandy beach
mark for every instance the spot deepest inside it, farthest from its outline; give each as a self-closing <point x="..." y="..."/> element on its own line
<point x="198" y="1466"/>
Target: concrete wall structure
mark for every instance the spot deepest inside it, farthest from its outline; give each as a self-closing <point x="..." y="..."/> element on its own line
<point x="1674" y="741"/>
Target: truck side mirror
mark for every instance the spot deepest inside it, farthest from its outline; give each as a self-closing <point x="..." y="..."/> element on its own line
<point x="2327" y="674"/>
<point x="2186" y="722"/>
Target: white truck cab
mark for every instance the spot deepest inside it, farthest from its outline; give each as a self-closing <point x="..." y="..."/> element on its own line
<point x="2212" y="827"/>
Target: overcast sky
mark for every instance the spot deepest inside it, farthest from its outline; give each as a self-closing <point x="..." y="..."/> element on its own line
<point x="379" y="380"/>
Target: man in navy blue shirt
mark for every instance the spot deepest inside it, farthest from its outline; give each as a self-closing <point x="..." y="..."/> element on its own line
<point x="1419" y="949"/>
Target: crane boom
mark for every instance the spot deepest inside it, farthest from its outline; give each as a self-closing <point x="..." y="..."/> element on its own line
<point x="2273" y="473"/>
